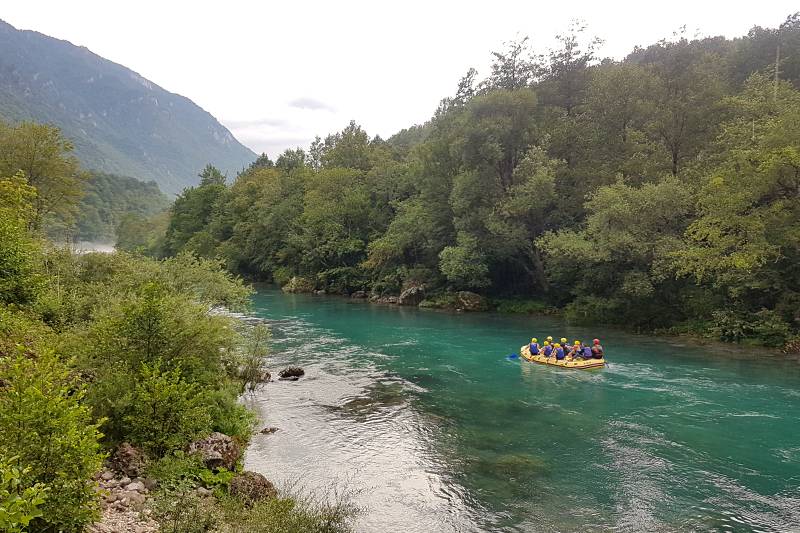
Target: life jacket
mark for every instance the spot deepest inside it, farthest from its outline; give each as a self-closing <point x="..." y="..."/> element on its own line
<point x="548" y="350"/>
<point x="597" y="351"/>
<point x="559" y="353"/>
<point x="534" y="348"/>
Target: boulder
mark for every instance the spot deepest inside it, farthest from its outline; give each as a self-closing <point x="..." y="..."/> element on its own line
<point x="291" y="373"/>
<point x="137" y="486"/>
<point x="268" y="431"/>
<point x="217" y="451"/>
<point x="128" y="460"/>
<point x="412" y="296"/>
<point x="469" y="301"/>
<point x="359" y="294"/>
<point x="320" y="292"/>
<point x="298" y="284"/>
<point x="251" y="487"/>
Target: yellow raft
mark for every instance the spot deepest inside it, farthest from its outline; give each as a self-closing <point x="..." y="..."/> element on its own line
<point x="584" y="364"/>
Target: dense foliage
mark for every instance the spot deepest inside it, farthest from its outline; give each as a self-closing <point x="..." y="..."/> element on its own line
<point x="660" y="191"/>
<point x="101" y="349"/>
<point x="108" y="199"/>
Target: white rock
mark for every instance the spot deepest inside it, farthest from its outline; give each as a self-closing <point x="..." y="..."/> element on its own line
<point x="138" y="486"/>
<point x="107" y="475"/>
<point x="124" y="481"/>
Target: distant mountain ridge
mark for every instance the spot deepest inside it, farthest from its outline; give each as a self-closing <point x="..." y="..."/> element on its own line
<point x="120" y="122"/>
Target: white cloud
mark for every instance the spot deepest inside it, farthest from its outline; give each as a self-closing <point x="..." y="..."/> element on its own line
<point x="305" y="102"/>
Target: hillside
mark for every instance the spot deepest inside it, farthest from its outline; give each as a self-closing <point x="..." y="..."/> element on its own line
<point x="120" y="122"/>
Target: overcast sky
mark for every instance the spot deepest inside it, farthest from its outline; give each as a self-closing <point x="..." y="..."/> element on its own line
<point x="279" y="73"/>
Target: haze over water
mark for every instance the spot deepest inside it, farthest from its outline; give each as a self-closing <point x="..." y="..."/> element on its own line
<point x="424" y="412"/>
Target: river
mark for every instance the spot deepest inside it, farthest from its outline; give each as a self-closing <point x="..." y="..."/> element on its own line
<point x="423" y="413"/>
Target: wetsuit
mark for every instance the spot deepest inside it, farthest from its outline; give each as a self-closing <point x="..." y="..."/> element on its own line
<point x="559" y="353"/>
<point x="548" y="351"/>
<point x="534" y="348"/>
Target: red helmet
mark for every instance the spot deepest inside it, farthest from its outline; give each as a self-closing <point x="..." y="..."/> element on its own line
<point x="596" y="341"/>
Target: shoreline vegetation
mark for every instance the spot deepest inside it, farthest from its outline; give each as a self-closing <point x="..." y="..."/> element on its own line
<point x="450" y="304"/>
<point x="659" y="193"/>
<point x="120" y="380"/>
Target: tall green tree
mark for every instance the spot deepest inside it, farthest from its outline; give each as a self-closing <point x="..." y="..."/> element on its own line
<point x="45" y="158"/>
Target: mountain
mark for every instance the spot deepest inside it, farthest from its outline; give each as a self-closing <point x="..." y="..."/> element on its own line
<point x="120" y="122"/>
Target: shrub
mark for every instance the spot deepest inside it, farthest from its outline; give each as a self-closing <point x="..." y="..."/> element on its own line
<point x="45" y="425"/>
<point x="165" y="412"/>
<point x="154" y="324"/>
<point x="765" y="327"/>
<point x="227" y="415"/>
<point x="18" y="504"/>
<point x="524" y="307"/>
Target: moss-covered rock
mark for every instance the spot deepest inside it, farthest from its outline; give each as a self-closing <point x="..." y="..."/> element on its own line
<point x="298" y="284"/>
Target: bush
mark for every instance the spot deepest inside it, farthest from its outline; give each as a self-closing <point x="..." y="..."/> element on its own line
<point x="227" y="415"/>
<point x="45" y="425"/>
<point x="765" y="327"/>
<point x="165" y="412"/>
<point x="18" y="504"/>
<point x="594" y="310"/>
<point x="523" y="307"/>
<point x="154" y="324"/>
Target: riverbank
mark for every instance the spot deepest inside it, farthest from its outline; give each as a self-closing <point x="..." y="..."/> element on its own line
<point x="468" y="302"/>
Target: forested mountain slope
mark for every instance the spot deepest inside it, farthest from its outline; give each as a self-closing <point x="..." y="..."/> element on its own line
<point x="120" y="122"/>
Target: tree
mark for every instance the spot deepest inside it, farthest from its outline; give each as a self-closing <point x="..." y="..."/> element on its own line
<point x="211" y="176"/>
<point x="618" y="265"/>
<point x="514" y="68"/>
<point x="20" y="280"/>
<point x="47" y="428"/>
<point x="191" y="214"/>
<point x="46" y="160"/>
<point x="745" y="242"/>
<point x="347" y="149"/>
<point x="687" y="91"/>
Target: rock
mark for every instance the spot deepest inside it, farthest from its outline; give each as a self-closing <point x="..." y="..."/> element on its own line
<point x="203" y="492"/>
<point x="251" y="487"/>
<point x="291" y="373"/>
<point x="359" y="294"/>
<point x="320" y="292"/>
<point x="128" y="460"/>
<point x="412" y="296"/>
<point x="137" y="486"/>
<point x="150" y="483"/>
<point x="124" y="481"/>
<point x="134" y="498"/>
<point x="217" y="451"/>
<point x="298" y="284"/>
<point x="107" y="475"/>
<point x="469" y="301"/>
<point x="268" y="431"/>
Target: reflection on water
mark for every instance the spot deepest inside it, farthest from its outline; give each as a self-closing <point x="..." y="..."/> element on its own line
<point x="442" y="432"/>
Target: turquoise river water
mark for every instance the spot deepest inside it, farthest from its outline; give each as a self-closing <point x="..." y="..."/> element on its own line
<point x="423" y="415"/>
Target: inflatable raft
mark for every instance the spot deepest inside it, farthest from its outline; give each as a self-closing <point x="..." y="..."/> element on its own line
<point x="584" y="364"/>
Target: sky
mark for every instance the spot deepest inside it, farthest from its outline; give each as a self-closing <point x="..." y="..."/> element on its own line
<point x="279" y="73"/>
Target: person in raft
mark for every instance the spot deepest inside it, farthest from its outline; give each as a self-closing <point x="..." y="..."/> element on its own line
<point x="575" y="350"/>
<point x="547" y="350"/>
<point x="597" y="349"/>
<point x="560" y="355"/>
<point x="534" y="346"/>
